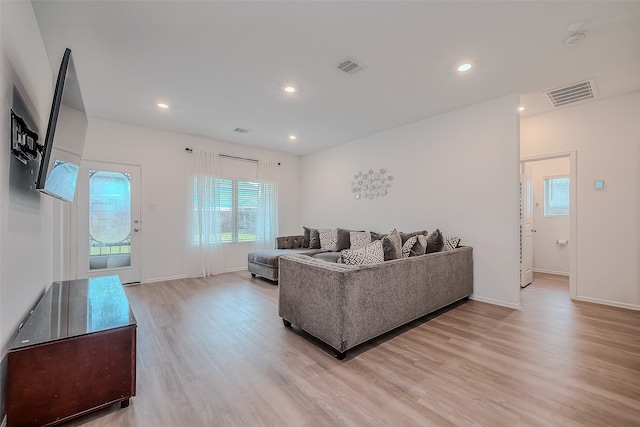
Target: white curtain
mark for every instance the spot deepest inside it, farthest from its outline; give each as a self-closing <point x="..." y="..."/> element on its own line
<point x="267" y="215"/>
<point x="205" y="240"/>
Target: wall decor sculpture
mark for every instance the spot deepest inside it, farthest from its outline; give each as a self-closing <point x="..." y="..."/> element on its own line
<point x="370" y="184"/>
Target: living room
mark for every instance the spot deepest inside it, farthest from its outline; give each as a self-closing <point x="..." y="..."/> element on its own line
<point x="457" y="170"/>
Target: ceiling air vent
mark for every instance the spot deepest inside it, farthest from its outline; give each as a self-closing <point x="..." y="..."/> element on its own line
<point x="350" y="66"/>
<point x="240" y="130"/>
<point x="570" y="94"/>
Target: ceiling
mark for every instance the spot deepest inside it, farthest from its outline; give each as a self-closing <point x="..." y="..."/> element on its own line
<point x="223" y="65"/>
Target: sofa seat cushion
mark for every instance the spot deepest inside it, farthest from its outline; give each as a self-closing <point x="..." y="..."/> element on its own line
<point x="269" y="257"/>
<point x="329" y="256"/>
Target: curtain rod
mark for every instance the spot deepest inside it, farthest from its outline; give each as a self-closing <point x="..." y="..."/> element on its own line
<point x="190" y="150"/>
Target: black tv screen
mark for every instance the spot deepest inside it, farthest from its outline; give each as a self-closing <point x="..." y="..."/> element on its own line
<point x="66" y="132"/>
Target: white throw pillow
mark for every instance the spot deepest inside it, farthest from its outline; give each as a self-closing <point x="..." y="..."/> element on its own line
<point x="369" y="254"/>
<point x="359" y="239"/>
<point x="408" y="245"/>
<point x="450" y="243"/>
<point x="328" y="239"/>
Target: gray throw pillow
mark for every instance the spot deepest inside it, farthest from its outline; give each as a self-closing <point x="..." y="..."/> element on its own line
<point x="377" y="236"/>
<point x="344" y="241"/>
<point x="420" y="248"/>
<point x="392" y="246"/>
<point x="435" y="242"/>
<point x="314" y="239"/>
<point x="407" y="236"/>
<point x="306" y="237"/>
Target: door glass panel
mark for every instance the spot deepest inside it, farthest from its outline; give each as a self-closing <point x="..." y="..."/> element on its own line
<point x="109" y="219"/>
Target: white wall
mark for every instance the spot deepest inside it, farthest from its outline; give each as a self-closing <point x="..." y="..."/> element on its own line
<point x="25" y="215"/>
<point x="457" y="172"/>
<point x="163" y="159"/>
<point x="548" y="256"/>
<point x="606" y="137"/>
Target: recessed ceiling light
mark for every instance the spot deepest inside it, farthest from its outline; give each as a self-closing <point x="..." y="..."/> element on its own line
<point x="292" y="137"/>
<point x="464" y="67"/>
<point x="163" y="106"/>
<point x="520" y="108"/>
<point x="289" y="89"/>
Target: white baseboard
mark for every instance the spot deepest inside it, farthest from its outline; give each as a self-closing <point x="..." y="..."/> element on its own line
<point x="234" y="270"/>
<point x="608" y="302"/>
<point x="164" y="279"/>
<point x="496" y="302"/>
<point x="542" y="270"/>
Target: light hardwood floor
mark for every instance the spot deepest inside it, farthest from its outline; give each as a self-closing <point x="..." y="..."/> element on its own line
<point x="213" y="352"/>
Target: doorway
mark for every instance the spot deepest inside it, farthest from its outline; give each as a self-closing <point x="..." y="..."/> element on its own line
<point x="556" y="248"/>
<point x="109" y="226"/>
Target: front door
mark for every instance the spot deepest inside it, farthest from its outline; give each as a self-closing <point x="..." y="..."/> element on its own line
<point x="109" y="224"/>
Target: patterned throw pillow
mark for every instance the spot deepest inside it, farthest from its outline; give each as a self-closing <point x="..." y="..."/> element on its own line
<point x="369" y="254"/>
<point x="451" y="243"/>
<point x="359" y="239"/>
<point x="328" y="239"/>
<point x="408" y="245"/>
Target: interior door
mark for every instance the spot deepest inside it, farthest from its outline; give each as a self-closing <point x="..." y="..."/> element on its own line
<point x="526" y="226"/>
<point x="109" y="225"/>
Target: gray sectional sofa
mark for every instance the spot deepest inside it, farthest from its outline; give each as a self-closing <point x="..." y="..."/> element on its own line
<point x="346" y="305"/>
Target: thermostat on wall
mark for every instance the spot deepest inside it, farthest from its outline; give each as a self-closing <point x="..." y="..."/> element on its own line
<point x="598" y="185"/>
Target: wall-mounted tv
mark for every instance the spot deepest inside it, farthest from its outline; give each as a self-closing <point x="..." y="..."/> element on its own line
<point x="66" y="132"/>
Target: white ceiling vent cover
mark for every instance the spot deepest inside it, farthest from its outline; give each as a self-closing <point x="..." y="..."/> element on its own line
<point x="575" y="92"/>
<point x="350" y="66"/>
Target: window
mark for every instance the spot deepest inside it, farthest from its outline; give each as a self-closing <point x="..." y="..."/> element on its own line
<point x="235" y="205"/>
<point x="556" y="196"/>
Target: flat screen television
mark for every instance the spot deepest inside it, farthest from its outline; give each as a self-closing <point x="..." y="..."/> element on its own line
<point x="66" y="132"/>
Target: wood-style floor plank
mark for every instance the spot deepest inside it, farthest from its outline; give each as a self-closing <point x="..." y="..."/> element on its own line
<point x="213" y="352"/>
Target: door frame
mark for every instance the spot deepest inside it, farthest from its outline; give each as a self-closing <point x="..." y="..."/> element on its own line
<point x="75" y="234"/>
<point x="573" y="212"/>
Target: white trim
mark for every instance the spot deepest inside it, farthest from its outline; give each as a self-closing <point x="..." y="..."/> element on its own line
<point x="573" y="213"/>
<point x="234" y="270"/>
<point x="558" y="273"/>
<point x="496" y="302"/>
<point x="164" y="279"/>
<point x="4" y="422"/>
<point x="610" y="303"/>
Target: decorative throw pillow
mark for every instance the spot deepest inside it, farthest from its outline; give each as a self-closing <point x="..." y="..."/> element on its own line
<point x="408" y="245"/>
<point x="420" y="248"/>
<point x="314" y="239"/>
<point x="359" y="239"/>
<point x="392" y="245"/>
<point x="328" y="239"/>
<point x="406" y="236"/>
<point x="450" y="243"/>
<point x="306" y="237"/>
<point x="377" y="236"/>
<point x="344" y="241"/>
<point x="369" y="254"/>
<point x="435" y="242"/>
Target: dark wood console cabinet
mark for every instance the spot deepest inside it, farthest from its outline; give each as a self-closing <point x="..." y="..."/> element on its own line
<point x="75" y="353"/>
